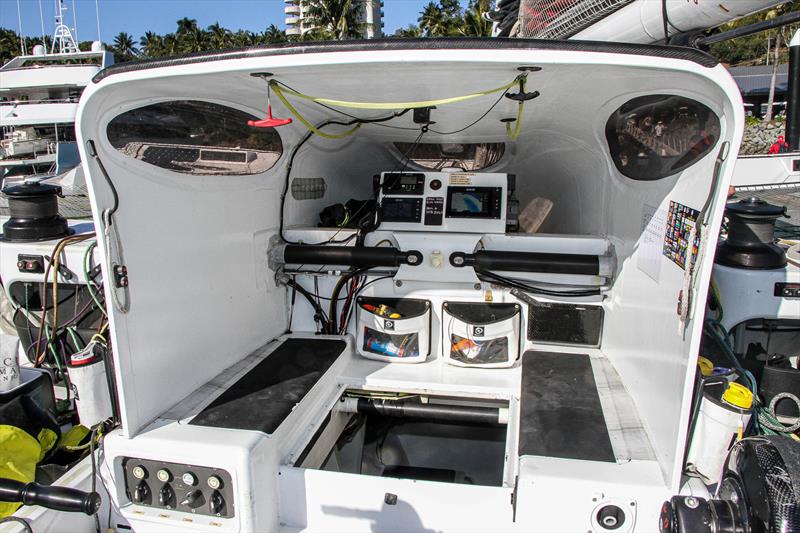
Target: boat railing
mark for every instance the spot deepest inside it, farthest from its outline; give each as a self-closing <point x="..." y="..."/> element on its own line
<point x="14" y="103"/>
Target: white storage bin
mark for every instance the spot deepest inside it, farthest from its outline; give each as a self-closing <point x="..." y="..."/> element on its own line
<point x="397" y="330"/>
<point x="479" y="334"/>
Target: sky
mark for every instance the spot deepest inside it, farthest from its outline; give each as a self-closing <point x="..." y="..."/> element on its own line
<point x="139" y="16"/>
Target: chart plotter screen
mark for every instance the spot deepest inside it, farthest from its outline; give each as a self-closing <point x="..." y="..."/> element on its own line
<point x="473" y="202"/>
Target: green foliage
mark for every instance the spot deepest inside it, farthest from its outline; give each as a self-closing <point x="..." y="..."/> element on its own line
<point x="442" y="18"/>
<point x="188" y="38"/>
<point x="335" y="19"/>
<point x="752" y="49"/>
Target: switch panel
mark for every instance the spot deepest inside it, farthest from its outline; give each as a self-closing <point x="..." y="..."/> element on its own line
<point x="787" y="290"/>
<point x="30" y="264"/>
<point x="180" y="487"/>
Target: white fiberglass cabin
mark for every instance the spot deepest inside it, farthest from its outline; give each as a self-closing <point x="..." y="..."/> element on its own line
<point x="461" y="290"/>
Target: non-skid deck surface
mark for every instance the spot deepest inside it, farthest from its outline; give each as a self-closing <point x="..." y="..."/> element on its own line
<point x="560" y="410"/>
<point x="265" y="396"/>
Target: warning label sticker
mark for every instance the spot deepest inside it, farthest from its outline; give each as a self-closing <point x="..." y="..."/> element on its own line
<point x="460" y="179"/>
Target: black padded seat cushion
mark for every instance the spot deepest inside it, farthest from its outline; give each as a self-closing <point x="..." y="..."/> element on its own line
<point x="263" y="398"/>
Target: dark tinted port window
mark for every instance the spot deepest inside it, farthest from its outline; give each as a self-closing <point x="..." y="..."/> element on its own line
<point x="466" y="156"/>
<point x="195" y="137"/>
<point x="652" y="137"/>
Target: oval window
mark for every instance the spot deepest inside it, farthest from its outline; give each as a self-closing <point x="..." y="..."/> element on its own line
<point x="194" y="137"/>
<point x="652" y="137"/>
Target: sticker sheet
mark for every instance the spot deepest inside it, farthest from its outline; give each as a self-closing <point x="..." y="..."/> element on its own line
<point x="680" y="221"/>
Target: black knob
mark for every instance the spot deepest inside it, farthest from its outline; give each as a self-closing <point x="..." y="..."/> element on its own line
<point x="216" y="503"/>
<point x="141" y="493"/>
<point x="193" y="499"/>
<point x="166" y="496"/>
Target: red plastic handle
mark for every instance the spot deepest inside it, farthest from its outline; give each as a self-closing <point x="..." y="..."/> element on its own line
<point x="269" y="122"/>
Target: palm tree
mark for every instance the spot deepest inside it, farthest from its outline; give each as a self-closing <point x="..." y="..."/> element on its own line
<point x="152" y="44"/>
<point x="219" y="37"/>
<point x="172" y="45"/>
<point x="124" y="47"/>
<point x="339" y="17"/>
<point x="474" y="23"/>
<point x="412" y="31"/>
<point x="242" y="38"/>
<point x="433" y="20"/>
<point x="195" y="40"/>
<point x="186" y="25"/>
<point x="273" y="35"/>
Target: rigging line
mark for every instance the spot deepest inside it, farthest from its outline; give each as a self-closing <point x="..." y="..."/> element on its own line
<point x="376" y="122"/>
<point x="41" y="19"/>
<point x="75" y="23"/>
<point x="97" y="16"/>
<point x="308" y="124"/>
<point x="22" y="46"/>
<point x="397" y="105"/>
<point x="468" y="126"/>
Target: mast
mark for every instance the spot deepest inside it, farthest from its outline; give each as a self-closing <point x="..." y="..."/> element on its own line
<point x="63" y="42"/>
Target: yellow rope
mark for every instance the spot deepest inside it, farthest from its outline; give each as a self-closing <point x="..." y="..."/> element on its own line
<point x="518" y="126"/>
<point x="392" y="105"/>
<point x="305" y="122"/>
<point x="279" y="92"/>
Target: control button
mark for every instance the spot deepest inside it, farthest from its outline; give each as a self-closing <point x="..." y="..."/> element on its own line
<point x="141" y="493"/>
<point x="163" y="475"/>
<point x="194" y="499"/>
<point x="189" y="478"/>
<point x="215" y="503"/>
<point x="139" y="472"/>
<point x="214" y="482"/>
<point x="436" y="185"/>
<point x="166" y="496"/>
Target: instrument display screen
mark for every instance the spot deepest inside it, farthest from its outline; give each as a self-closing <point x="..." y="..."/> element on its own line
<point x="473" y="202"/>
<point x="401" y="209"/>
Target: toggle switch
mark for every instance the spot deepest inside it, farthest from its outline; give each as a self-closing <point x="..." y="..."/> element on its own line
<point x="141" y="493"/>
<point x="166" y="496"/>
<point x="215" y="503"/>
<point x="193" y="499"/>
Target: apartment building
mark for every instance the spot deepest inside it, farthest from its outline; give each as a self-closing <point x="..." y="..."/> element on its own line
<point x="297" y="22"/>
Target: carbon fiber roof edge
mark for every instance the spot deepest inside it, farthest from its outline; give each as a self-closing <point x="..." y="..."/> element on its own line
<point x="452" y="43"/>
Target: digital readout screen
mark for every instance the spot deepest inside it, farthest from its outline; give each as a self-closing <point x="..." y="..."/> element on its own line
<point x="401" y="210"/>
<point x="468" y="202"/>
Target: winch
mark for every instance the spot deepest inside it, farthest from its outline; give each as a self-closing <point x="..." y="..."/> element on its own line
<point x="751" y="230"/>
<point x="34" y="213"/>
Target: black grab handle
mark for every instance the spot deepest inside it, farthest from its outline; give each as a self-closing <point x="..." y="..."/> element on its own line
<point x="52" y="497"/>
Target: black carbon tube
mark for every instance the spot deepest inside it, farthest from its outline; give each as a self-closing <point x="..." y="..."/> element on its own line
<point x="494" y="261"/>
<point x="307" y="254"/>
<point x="51" y="497"/>
<point x="793" y="100"/>
<point x="414" y="409"/>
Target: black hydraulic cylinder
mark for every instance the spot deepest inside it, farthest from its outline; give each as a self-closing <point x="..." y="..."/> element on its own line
<point x="306" y="254"/>
<point x="793" y="96"/>
<point x="51" y="497"/>
<point x="495" y="260"/>
<point x="414" y="409"/>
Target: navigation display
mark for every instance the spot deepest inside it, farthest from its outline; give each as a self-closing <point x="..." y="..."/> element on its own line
<point x="468" y="202"/>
